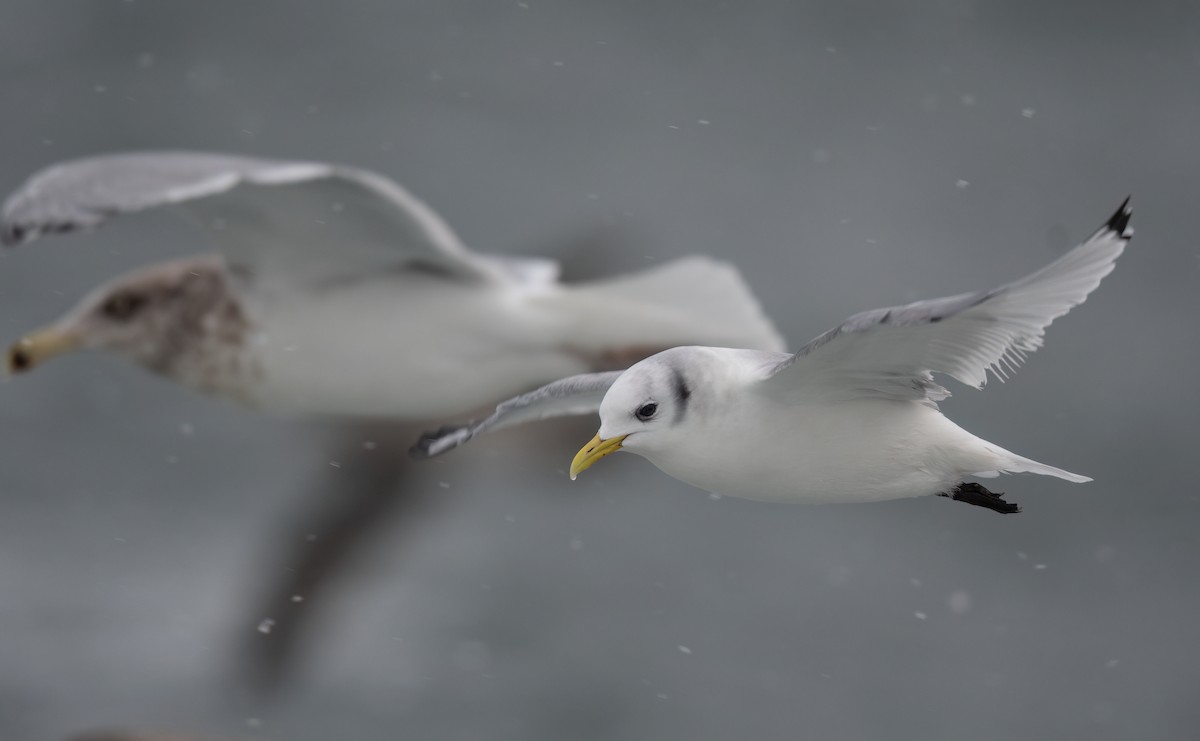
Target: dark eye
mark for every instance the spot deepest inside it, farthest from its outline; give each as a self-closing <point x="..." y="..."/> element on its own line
<point x="122" y="306"/>
<point x="646" y="411"/>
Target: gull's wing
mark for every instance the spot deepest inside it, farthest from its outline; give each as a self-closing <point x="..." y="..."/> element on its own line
<point x="350" y="507"/>
<point x="580" y="394"/>
<point x="893" y="352"/>
<point x="295" y="219"/>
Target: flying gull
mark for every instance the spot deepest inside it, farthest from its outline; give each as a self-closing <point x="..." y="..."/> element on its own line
<point x="852" y="417"/>
<point x="336" y="292"/>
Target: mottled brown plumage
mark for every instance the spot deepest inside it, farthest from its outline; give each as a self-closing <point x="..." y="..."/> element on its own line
<point x="181" y="319"/>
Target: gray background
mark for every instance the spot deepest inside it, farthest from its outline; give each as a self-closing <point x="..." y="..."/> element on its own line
<point x="847" y="155"/>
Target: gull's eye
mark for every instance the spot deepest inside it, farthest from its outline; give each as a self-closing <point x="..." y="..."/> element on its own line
<point x="646" y="411"/>
<point x="122" y="306"/>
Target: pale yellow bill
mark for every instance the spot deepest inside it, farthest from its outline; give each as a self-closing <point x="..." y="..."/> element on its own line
<point x="594" y="451"/>
<point x="38" y="347"/>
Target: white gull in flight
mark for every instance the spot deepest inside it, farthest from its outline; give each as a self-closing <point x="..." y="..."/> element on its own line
<point x="852" y="417"/>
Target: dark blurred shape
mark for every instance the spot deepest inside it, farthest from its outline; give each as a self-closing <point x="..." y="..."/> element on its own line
<point x="371" y="491"/>
<point x="594" y="251"/>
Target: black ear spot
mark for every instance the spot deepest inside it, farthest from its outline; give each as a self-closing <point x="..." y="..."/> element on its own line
<point x="646" y="411"/>
<point x="123" y="306"/>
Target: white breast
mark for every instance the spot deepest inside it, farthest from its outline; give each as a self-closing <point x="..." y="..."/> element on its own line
<point x="406" y="345"/>
<point x="859" y="451"/>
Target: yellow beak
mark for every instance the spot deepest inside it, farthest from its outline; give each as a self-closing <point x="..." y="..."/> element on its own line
<point x="594" y="451"/>
<point x="36" y="348"/>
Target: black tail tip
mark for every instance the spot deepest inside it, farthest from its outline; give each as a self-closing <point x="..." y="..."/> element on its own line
<point x="1119" y="221"/>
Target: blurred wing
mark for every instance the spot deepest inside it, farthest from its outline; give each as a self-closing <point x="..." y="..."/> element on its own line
<point x="373" y="493"/>
<point x="580" y="394"/>
<point x="893" y="352"/>
<point x="269" y="217"/>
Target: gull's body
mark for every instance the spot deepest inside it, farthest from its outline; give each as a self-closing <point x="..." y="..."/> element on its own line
<point x="864" y="449"/>
<point x="489" y="340"/>
<point x="851" y="417"/>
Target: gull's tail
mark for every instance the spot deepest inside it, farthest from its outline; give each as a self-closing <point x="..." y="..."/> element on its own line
<point x="1012" y="463"/>
<point x="692" y="301"/>
<point x="1024" y="465"/>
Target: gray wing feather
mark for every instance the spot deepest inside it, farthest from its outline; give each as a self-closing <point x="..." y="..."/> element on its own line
<point x="894" y="351"/>
<point x="299" y="218"/>
<point x="84" y="193"/>
<point x="574" y="395"/>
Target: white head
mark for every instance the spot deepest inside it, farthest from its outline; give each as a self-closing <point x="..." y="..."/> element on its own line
<point x="653" y="407"/>
<point x="155" y="316"/>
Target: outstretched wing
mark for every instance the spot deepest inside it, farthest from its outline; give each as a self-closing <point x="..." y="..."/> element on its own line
<point x="580" y="394"/>
<point x="893" y="352"/>
<point x="293" y="219"/>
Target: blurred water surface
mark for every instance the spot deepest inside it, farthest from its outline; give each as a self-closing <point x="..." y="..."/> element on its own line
<point x="847" y="155"/>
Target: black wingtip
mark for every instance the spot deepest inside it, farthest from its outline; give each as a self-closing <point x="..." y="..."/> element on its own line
<point x="433" y="444"/>
<point x="421" y="449"/>
<point x="1119" y="221"/>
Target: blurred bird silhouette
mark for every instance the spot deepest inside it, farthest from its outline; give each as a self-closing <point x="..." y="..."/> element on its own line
<point x="335" y="293"/>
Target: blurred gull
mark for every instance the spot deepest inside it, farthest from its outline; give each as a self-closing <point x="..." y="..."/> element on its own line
<point x="851" y="417"/>
<point x="336" y="292"/>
